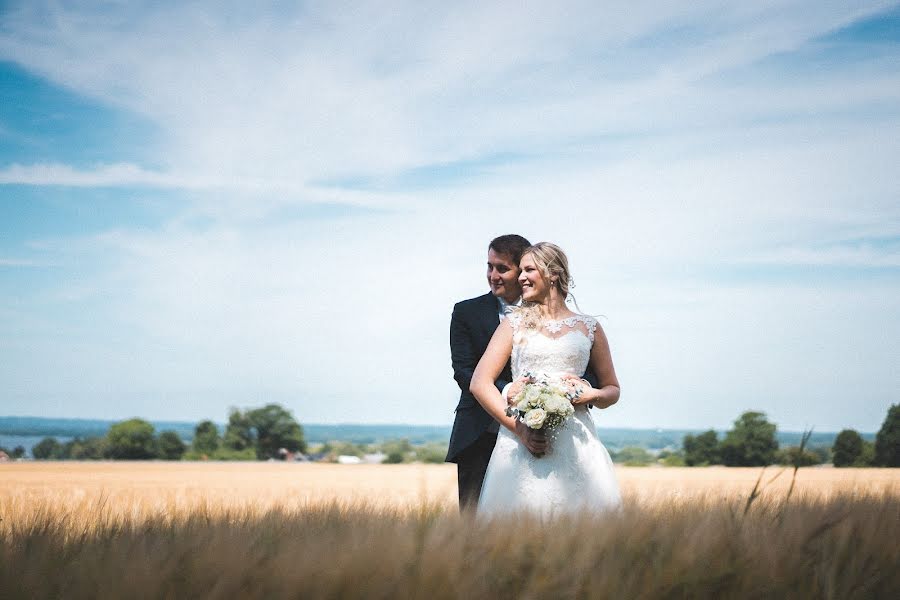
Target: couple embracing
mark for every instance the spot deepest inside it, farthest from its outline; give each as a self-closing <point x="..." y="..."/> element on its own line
<point x="499" y="343"/>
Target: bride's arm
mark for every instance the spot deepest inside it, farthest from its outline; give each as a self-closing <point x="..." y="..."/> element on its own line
<point x="608" y="390"/>
<point x="482" y="387"/>
<point x="488" y="370"/>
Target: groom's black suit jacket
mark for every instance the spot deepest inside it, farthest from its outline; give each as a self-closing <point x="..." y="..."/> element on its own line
<point x="471" y="327"/>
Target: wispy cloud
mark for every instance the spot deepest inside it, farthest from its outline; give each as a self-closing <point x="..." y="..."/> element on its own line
<point x="329" y="91"/>
<point x="862" y="255"/>
<point x="102" y="176"/>
<point x="658" y="142"/>
<point x="269" y="195"/>
<point x="24" y="262"/>
<point x="130" y="175"/>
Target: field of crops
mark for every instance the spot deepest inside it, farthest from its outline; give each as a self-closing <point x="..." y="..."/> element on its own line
<point x="224" y="530"/>
<point x="274" y="484"/>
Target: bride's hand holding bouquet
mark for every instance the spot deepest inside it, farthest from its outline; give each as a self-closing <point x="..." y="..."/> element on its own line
<point x="544" y="403"/>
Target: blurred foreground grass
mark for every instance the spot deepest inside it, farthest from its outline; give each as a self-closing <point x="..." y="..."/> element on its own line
<point x="260" y="531"/>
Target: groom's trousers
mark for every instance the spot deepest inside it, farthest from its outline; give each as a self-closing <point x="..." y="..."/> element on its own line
<point x="471" y="465"/>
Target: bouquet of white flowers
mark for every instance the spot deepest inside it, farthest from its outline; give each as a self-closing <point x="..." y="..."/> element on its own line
<point x="545" y="402"/>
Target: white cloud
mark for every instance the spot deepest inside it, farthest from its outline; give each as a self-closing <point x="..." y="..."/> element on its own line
<point x="335" y="90"/>
<point x="121" y="174"/>
<point x="22" y="262"/>
<point x="649" y="142"/>
<point x="864" y="255"/>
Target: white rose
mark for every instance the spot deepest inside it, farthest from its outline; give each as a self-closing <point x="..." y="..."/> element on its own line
<point x="532" y="392"/>
<point x="535" y="418"/>
<point x="557" y="405"/>
<point x="557" y="387"/>
<point x="546" y="396"/>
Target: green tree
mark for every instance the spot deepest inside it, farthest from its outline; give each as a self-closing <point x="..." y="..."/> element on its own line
<point x="393" y="458"/>
<point x="867" y="457"/>
<point x="275" y="428"/>
<point x="633" y="456"/>
<point x="823" y="454"/>
<point x="887" y="440"/>
<point x="170" y="446"/>
<point x="17" y="452"/>
<point x="350" y="449"/>
<point x="702" y="449"/>
<point x="229" y="454"/>
<point x="48" y="448"/>
<point x="239" y="432"/>
<point x="847" y="448"/>
<point x="751" y="443"/>
<point x="672" y="459"/>
<point x="131" y="440"/>
<point x="797" y="457"/>
<point x="434" y="452"/>
<point x="401" y="447"/>
<point x="206" y="438"/>
<point x="89" y="448"/>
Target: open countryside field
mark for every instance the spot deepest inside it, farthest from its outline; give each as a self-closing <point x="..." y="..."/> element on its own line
<point x="130" y="487"/>
<point x="259" y="530"/>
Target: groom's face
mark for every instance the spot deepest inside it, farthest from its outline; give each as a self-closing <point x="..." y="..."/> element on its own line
<point x="503" y="276"/>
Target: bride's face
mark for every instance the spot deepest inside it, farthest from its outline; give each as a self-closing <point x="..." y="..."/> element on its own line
<point x="534" y="287"/>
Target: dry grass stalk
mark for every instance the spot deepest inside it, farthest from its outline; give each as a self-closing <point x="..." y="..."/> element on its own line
<point x="224" y="531"/>
<point x="843" y="547"/>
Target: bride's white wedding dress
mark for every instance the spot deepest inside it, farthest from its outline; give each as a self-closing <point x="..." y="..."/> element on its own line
<point x="576" y="475"/>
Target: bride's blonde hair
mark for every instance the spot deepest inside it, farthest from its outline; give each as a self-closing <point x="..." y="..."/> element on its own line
<point x="553" y="264"/>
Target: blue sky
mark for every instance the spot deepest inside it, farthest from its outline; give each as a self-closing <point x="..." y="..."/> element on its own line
<point x="204" y="207"/>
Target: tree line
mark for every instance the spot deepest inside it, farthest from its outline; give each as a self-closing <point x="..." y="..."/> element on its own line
<point x="751" y="443"/>
<point x="254" y="434"/>
<point x="272" y="432"/>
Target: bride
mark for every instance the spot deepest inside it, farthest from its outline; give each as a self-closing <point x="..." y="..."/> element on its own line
<point x="575" y="473"/>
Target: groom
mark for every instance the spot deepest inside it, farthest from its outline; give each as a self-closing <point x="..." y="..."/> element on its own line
<point x="471" y="327"/>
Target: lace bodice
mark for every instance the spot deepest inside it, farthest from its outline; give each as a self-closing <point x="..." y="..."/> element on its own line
<point x="562" y="346"/>
<point x="576" y="475"/>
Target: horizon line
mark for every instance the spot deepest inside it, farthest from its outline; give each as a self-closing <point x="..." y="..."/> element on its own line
<point x="446" y="426"/>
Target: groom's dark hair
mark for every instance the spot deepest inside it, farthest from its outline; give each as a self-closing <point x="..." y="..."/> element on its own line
<point x="510" y="245"/>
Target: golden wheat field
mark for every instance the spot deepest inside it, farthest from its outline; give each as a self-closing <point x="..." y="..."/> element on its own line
<point x="132" y="487"/>
<point x="273" y="530"/>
